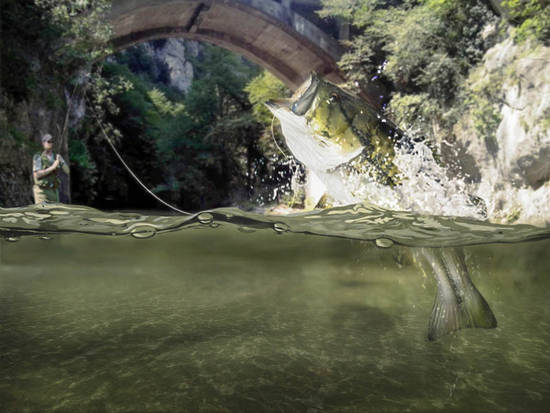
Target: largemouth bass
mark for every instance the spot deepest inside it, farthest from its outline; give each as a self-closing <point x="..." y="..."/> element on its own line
<point x="336" y="128"/>
<point x="329" y="130"/>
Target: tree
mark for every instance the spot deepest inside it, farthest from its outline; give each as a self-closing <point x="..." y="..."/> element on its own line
<point x="421" y="50"/>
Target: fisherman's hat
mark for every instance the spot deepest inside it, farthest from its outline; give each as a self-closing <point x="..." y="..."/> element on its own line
<point x="46" y="137"/>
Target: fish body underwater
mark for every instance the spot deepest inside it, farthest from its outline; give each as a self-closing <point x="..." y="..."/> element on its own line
<point x="336" y="135"/>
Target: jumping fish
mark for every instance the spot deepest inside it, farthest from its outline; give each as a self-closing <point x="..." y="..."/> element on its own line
<point x="327" y="128"/>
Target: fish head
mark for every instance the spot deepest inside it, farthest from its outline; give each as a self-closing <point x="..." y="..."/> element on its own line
<point x="314" y="125"/>
<point x="301" y="101"/>
<point x="322" y="122"/>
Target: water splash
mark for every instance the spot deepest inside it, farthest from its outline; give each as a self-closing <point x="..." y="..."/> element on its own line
<point x="343" y="172"/>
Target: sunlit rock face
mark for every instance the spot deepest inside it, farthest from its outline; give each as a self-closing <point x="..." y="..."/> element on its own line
<point x="175" y="54"/>
<point x="511" y="167"/>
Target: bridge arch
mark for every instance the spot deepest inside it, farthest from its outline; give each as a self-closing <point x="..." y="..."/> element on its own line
<point x="268" y="32"/>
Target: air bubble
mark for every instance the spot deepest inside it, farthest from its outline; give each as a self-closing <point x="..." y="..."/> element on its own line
<point x="44" y="238"/>
<point x="12" y="239"/>
<point x="214" y="225"/>
<point x="383" y="242"/>
<point x="205" y="218"/>
<point x="280" y="227"/>
<point x="143" y="232"/>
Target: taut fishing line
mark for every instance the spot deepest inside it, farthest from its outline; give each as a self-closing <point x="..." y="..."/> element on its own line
<point x="275" y="140"/>
<point x="136" y="178"/>
<point x="295" y="165"/>
<point x="133" y="174"/>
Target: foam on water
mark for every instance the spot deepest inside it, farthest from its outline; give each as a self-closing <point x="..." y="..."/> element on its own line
<point x="425" y="186"/>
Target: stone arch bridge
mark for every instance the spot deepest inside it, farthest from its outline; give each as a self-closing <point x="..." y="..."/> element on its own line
<point x="284" y="36"/>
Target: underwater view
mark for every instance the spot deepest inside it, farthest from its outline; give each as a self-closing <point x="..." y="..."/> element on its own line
<point x="232" y="311"/>
<point x="274" y="206"/>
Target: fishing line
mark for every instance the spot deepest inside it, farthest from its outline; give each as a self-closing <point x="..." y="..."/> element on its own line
<point x="295" y="165"/>
<point x="133" y="174"/>
<point x="275" y="140"/>
<point x="119" y="156"/>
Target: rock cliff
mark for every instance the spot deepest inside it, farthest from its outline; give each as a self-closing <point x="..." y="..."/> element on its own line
<point x="177" y="55"/>
<point x="503" y="139"/>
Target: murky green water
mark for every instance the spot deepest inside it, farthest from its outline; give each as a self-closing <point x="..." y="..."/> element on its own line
<point x="228" y="320"/>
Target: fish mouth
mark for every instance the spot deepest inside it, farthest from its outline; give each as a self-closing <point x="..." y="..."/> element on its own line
<point x="276" y="104"/>
<point x="302" y="99"/>
<point x="305" y="95"/>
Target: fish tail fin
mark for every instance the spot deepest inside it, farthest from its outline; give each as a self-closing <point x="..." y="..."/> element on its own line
<point x="458" y="303"/>
<point x="449" y="315"/>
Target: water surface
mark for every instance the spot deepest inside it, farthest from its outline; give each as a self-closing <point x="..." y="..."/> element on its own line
<point x="229" y="320"/>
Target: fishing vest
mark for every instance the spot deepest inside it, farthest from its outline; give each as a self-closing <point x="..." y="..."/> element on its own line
<point x="50" y="181"/>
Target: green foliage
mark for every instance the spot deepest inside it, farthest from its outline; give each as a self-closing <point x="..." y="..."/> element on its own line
<point x="416" y="110"/>
<point x="262" y="88"/>
<point x="19" y="76"/>
<point x="79" y="155"/>
<point x="532" y="18"/>
<point x="84" y="171"/>
<point x="17" y="135"/>
<point x="196" y="150"/>
<point x="48" y="47"/>
<point x="420" y="50"/>
<point x="483" y="98"/>
<point x="163" y="105"/>
<point x="53" y="101"/>
<point x="83" y="35"/>
<point x="487" y="117"/>
<point x="48" y="43"/>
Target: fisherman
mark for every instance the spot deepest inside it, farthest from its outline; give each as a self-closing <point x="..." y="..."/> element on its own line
<point x="45" y="168"/>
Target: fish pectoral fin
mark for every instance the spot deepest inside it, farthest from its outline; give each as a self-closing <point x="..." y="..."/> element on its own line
<point x="458" y="303"/>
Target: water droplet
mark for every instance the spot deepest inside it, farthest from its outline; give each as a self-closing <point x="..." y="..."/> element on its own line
<point x="12" y="239"/>
<point x="143" y="231"/>
<point x="205" y="218"/>
<point x="280" y="227"/>
<point x="383" y="242"/>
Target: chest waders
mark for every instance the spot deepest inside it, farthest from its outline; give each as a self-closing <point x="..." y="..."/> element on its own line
<point x="46" y="189"/>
